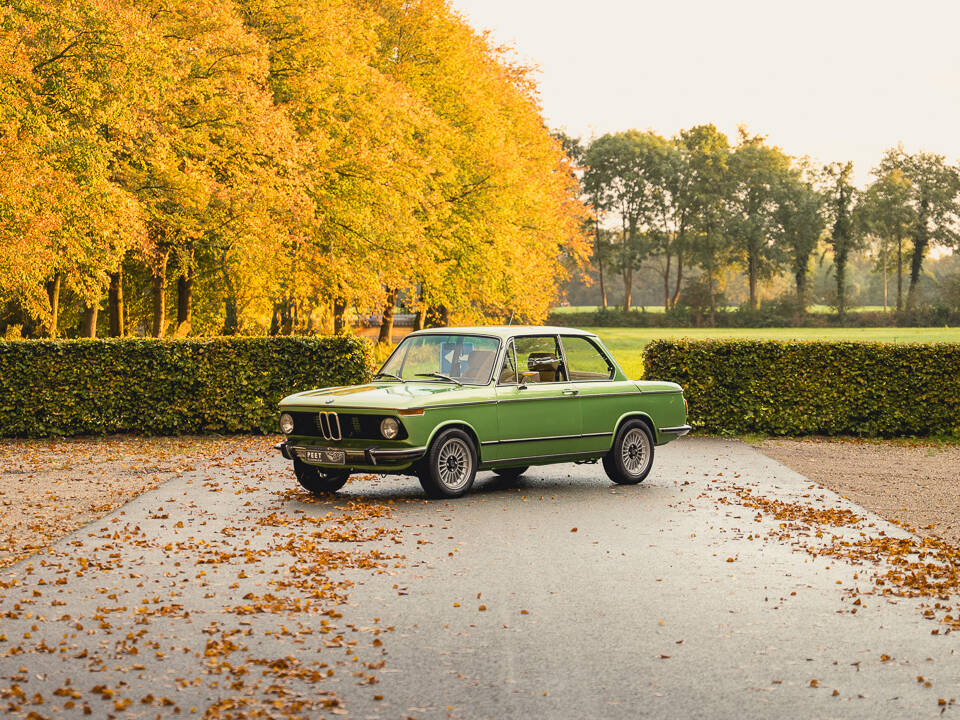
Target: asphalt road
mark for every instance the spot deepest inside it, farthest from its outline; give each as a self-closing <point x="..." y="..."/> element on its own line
<point x="562" y="597"/>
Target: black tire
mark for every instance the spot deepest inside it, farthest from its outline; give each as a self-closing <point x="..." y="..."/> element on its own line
<point x="319" y="481"/>
<point x="510" y="473"/>
<point x="631" y="457"/>
<point x="450" y="466"/>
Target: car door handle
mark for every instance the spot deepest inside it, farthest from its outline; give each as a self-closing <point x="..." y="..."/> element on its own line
<point x="570" y="391"/>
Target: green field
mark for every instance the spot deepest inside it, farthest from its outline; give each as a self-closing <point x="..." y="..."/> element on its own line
<point x="627" y="343"/>
<point x="821" y="309"/>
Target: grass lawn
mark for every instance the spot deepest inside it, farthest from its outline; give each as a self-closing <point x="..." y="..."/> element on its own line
<point x="627" y="344"/>
<point x="820" y="309"/>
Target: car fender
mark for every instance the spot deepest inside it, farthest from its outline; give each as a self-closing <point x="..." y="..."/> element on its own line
<point x="639" y="415"/>
<point x="459" y="423"/>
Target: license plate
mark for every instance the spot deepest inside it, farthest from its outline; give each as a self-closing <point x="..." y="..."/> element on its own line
<point x="330" y="457"/>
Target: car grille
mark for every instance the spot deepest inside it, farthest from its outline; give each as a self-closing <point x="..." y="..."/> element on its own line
<point x="352" y="426"/>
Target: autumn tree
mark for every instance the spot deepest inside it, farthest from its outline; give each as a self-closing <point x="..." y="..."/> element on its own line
<point x="708" y="152"/>
<point x="934" y="202"/>
<point x="800" y="224"/>
<point x="625" y="174"/>
<point x="757" y="174"/>
<point x="886" y="210"/>
<point x="843" y="237"/>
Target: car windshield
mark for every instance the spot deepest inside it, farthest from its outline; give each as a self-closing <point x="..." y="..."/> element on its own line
<point x="462" y="359"/>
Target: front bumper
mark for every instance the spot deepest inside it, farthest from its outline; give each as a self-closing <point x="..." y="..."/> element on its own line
<point x="371" y="457"/>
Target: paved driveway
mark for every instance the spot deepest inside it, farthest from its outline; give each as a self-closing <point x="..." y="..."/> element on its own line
<point x="701" y="593"/>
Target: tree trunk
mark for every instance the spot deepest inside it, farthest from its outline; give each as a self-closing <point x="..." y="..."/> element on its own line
<point x="801" y="280"/>
<point x="676" y="290"/>
<point x="627" y="288"/>
<point x="386" y="323"/>
<point x="159" y="297"/>
<point x="339" y="315"/>
<point x="286" y="317"/>
<point x="920" y="241"/>
<point x="53" y="293"/>
<point x="884" y="279"/>
<point x="597" y="249"/>
<point x="184" y="303"/>
<point x="713" y="298"/>
<point x="841" y="269"/>
<point x="115" y="304"/>
<point x="230" y="319"/>
<point x="899" y="273"/>
<point x="752" y="272"/>
<point x="88" y="320"/>
<point x="666" y="283"/>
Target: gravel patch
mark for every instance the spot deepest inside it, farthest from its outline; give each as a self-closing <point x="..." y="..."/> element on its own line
<point x="912" y="484"/>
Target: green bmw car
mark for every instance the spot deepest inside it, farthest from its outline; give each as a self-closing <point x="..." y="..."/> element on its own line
<point x="451" y="401"/>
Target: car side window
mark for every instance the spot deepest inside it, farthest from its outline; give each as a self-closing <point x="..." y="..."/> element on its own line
<point x="540" y="354"/>
<point x="585" y="360"/>
<point x="508" y="373"/>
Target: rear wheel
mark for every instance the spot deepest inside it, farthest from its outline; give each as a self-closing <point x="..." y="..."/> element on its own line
<point x="450" y="466"/>
<point x="319" y="481"/>
<point x="631" y="457"/>
<point x="510" y="473"/>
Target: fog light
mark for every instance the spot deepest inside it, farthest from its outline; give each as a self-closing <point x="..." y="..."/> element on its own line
<point x="389" y="428"/>
<point x="286" y="423"/>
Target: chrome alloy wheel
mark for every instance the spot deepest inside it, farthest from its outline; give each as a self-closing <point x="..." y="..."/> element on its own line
<point x="454" y="464"/>
<point x="635" y="451"/>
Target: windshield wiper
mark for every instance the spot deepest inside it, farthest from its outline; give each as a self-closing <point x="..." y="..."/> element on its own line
<point x="388" y="375"/>
<point x="441" y="376"/>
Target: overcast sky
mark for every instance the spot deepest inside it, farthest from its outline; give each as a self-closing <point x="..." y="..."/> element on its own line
<point x="834" y="79"/>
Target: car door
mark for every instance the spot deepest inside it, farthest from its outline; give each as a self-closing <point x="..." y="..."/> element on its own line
<point x="541" y="417"/>
<point x="602" y="399"/>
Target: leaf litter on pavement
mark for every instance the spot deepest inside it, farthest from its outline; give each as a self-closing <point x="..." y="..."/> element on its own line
<point x="203" y="587"/>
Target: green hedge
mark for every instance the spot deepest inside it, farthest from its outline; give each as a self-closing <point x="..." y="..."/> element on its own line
<point x="829" y="388"/>
<point x="165" y="387"/>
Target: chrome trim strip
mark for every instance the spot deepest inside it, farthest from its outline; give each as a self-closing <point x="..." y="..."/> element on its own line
<point x="542" y="397"/>
<point x="360" y="456"/>
<point x="463" y="404"/>
<point x="379" y="456"/>
<point x="678" y="430"/>
<point x="661" y="392"/>
<point x="514" y="460"/>
<point x="619" y="394"/>
<point x="547" y="437"/>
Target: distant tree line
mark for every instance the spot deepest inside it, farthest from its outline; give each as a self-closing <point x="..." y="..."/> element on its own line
<point x="264" y="165"/>
<point x="698" y="202"/>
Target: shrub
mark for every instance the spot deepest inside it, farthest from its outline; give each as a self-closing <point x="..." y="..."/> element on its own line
<point x="73" y="387"/>
<point x="829" y="388"/>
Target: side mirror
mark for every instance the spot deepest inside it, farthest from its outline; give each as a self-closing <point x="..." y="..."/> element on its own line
<point x="528" y="376"/>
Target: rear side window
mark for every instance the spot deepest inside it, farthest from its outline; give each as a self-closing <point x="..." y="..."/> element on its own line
<point x="540" y="354"/>
<point x="585" y="360"/>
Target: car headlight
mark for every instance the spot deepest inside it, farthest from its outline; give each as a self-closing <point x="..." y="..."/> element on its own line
<point x="389" y="428"/>
<point x="286" y="423"/>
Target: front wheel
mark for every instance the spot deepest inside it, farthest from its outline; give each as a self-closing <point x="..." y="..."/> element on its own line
<point x="450" y="466"/>
<point x="631" y="457"/>
<point x="318" y="481"/>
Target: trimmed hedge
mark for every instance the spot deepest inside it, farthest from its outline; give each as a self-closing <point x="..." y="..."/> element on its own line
<point x="763" y="317"/>
<point x="828" y="388"/>
<point x="165" y="387"/>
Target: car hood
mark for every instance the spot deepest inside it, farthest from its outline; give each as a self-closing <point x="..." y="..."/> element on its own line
<point x="382" y="395"/>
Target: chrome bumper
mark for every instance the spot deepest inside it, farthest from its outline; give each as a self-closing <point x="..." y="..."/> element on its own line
<point x="369" y="456"/>
<point x="679" y="431"/>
